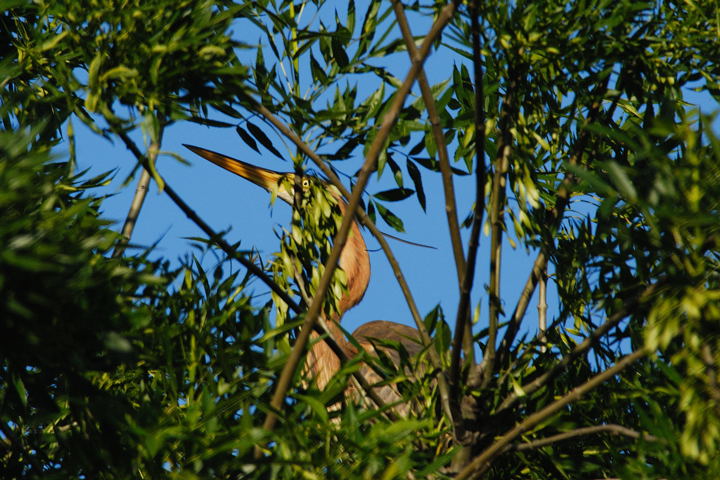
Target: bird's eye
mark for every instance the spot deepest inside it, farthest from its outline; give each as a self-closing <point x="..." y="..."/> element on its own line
<point x="305" y="183"/>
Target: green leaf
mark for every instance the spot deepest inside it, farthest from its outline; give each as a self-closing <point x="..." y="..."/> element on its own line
<point x="211" y="123"/>
<point x="390" y="218"/>
<point x="318" y="72"/>
<point x="397" y="172"/>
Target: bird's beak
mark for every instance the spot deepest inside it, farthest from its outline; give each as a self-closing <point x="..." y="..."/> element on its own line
<point x="280" y="183"/>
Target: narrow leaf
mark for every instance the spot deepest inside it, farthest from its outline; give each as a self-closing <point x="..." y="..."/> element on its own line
<point x="210" y="122"/>
<point x="262" y="138"/>
<point x="390" y="218"/>
<point x="394" y="194"/>
<point x="414" y="172"/>
<point x="397" y="172"/>
<point x="339" y="53"/>
<point x="247" y="138"/>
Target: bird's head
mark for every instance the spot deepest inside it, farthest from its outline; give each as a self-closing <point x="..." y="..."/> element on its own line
<point x="323" y="221"/>
<point x="280" y="185"/>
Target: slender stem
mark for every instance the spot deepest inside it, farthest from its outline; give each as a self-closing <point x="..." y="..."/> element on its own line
<point x="463" y="334"/>
<point x="137" y="200"/>
<point x="254" y="269"/>
<point x="482" y="462"/>
<point x="340" y="239"/>
<point x="463" y="323"/>
<point x="579" y="432"/>
<point x="542" y="310"/>
<point x="480" y="169"/>
<point x="214" y="236"/>
<point x="132" y="216"/>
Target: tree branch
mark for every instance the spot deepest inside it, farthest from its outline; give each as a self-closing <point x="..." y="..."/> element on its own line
<point x="445" y="170"/>
<point x="139" y="197"/>
<point x="367" y="222"/>
<point x="463" y="330"/>
<point x="482" y="462"/>
<point x="254" y="269"/>
<point x="212" y="235"/>
<point x="608" y="428"/>
<point x="542" y="309"/>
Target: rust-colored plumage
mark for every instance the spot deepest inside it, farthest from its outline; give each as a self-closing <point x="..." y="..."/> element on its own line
<point x="354" y="260"/>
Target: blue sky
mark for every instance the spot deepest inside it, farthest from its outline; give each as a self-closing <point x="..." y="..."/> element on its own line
<point x="228" y="202"/>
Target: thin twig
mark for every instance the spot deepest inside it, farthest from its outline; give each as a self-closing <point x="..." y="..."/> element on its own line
<point x="254" y="269"/>
<point x="542" y="310"/>
<point x="367" y="222"/>
<point x="482" y="462"/>
<point x="579" y="432"/>
<point x="539" y="266"/>
<point x="463" y="323"/>
<point x="138" y="199"/>
<point x="463" y="335"/>
<point x="340" y="239"/>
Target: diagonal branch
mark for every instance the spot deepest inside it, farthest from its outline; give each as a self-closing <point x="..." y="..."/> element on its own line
<point x="340" y="239"/>
<point x="445" y="170"/>
<point x="367" y="222"/>
<point x="482" y="462"/>
<point x="138" y="199"/>
<point x="254" y="269"/>
<point x="579" y="432"/>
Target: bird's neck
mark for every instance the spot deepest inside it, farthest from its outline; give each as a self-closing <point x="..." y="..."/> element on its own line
<point x="355" y="262"/>
<point x="322" y="361"/>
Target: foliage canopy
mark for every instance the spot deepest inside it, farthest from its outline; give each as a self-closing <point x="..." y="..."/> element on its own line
<point x="577" y="123"/>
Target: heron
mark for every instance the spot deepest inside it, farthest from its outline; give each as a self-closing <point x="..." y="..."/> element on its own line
<point x="354" y="260"/>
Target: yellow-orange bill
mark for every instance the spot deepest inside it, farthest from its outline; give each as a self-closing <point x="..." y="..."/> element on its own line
<point x="268" y="179"/>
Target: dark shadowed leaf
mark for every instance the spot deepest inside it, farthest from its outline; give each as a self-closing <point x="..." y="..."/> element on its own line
<point x="339" y="53"/>
<point x="397" y="172"/>
<point x="390" y="218"/>
<point x="262" y="138"/>
<point x="247" y="138"/>
<point x="414" y="172"/>
<point x="394" y="194"/>
<point x="318" y="72"/>
<point x="211" y="123"/>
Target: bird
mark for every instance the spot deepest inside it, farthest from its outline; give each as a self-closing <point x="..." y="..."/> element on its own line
<point x="354" y="260"/>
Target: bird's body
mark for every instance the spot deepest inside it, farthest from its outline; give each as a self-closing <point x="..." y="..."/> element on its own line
<point x="355" y="262"/>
